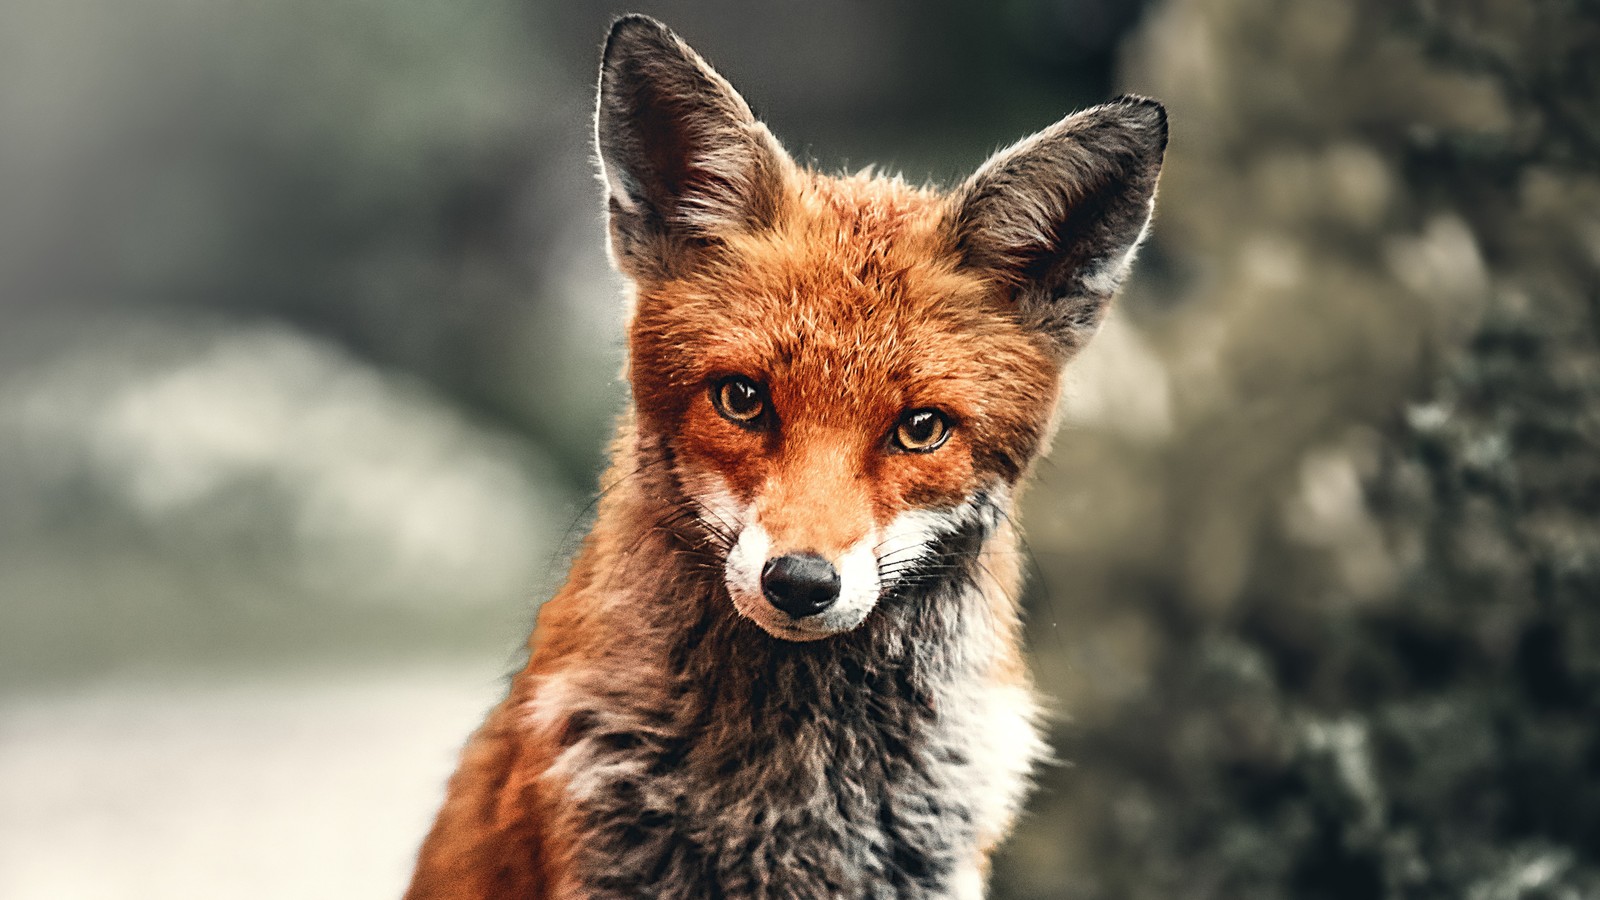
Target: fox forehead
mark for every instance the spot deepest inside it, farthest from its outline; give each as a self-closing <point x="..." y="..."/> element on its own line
<point x="854" y="302"/>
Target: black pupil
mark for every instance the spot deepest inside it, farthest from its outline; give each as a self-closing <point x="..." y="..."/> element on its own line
<point x="740" y="396"/>
<point x="921" y="427"/>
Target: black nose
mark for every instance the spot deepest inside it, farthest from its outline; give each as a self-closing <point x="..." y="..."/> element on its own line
<point x="800" y="584"/>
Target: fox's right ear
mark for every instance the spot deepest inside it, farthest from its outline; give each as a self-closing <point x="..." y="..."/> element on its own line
<point x="683" y="158"/>
<point x="1057" y="217"/>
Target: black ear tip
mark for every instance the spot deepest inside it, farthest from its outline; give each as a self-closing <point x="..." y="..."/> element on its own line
<point x="637" y="23"/>
<point x="636" y="31"/>
<point x="1145" y="106"/>
<point x="1148" y="111"/>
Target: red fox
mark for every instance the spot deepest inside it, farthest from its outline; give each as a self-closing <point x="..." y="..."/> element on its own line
<point x="787" y="661"/>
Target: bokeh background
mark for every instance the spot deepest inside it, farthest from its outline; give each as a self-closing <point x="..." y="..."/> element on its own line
<point x="309" y="348"/>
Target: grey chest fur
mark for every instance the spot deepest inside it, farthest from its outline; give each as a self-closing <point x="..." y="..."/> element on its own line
<point x="860" y="768"/>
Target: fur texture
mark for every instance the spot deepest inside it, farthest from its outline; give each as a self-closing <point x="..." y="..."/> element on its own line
<point x="676" y="735"/>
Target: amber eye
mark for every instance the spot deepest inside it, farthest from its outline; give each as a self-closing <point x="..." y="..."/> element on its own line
<point x="921" y="431"/>
<point x="739" y="400"/>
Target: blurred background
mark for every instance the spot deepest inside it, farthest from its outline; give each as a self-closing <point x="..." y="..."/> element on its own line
<point x="309" y="348"/>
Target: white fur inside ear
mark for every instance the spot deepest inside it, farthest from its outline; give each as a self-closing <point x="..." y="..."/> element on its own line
<point x="1060" y="214"/>
<point x="1106" y="276"/>
<point x="732" y="167"/>
<point x="616" y="190"/>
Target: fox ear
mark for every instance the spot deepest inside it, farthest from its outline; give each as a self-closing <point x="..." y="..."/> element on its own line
<point x="683" y="158"/>
<point x="1057" y="217"/>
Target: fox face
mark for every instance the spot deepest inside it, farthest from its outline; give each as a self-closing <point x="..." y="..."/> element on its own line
<point x="836" y="394"/>
<point x="844" y="374"/>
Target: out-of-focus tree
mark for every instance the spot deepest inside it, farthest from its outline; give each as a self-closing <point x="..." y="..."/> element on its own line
<point x="309" y="333"/>
<point x="1334" y="613"/>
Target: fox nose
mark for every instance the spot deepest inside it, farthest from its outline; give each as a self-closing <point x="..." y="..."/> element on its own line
<point x="800" y="584"/>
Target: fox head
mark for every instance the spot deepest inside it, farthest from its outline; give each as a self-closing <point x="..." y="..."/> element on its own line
<point x="847" y="374"/>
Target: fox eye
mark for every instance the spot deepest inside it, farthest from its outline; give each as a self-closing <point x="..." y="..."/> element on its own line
<point x="921" y="431"/>
<point x="739" y="400"/>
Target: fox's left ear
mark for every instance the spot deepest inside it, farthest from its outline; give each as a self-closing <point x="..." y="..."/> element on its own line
<point x="1057" y="217"/>
<point x="683" y="158"/>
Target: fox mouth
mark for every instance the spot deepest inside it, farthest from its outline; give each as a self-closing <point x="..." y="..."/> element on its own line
<point x="903" y="553"/>
<point x="800" y="596"/>
<point x="784" y="627"/>
<point x="804" y="595"/>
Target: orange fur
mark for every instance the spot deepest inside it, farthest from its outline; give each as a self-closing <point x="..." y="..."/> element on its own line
<point x="861" y="271"/>
<point x="857" y="295"/>
<point x="850" y="301"/>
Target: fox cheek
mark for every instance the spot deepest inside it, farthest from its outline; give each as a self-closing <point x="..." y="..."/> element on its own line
<point x="733" y="457"/>
<point x="1056" y="218"/>
<point x="917" y="541"/>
